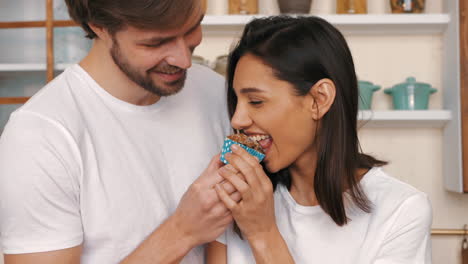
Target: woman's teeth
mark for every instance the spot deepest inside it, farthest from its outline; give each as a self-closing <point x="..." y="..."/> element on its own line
<point x="259" y="137"/>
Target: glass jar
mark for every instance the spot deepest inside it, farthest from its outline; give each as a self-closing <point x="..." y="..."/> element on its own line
<point x="243" y="7"/>
<point x="407" y="6"/>
<point x="294" y="6"/>
<point x="221" y="65"/>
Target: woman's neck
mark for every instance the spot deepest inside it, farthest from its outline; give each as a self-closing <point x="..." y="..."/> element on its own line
<point x="302" y="180"/>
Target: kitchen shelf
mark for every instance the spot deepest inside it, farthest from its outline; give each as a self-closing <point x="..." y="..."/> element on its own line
<point x="35" y="24"/>
<point x="229" y="24"/>
<point x="352" y="24"/>
<point x="13" y="100"/>
<point x="405" y="119"/>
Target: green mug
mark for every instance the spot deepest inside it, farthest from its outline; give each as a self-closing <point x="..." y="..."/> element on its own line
<point x="366" y="90"/>
<point x="411" y="95"/>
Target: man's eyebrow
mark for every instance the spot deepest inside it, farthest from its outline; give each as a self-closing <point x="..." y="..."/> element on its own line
<point x="168" y="39"/>
<point x="251" y="90"/>
<point x="157" y="39"/>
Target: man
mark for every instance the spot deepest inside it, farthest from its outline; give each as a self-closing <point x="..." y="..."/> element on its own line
<point x="98" y="166"/>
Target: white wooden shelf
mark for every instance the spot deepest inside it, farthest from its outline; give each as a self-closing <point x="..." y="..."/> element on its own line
<point x="352" y="24"/>
<point x="400" y="118"/>
<point x="29" y="67"/>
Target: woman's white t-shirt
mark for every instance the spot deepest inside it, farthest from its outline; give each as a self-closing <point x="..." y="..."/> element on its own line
<point x="396" y="231"/>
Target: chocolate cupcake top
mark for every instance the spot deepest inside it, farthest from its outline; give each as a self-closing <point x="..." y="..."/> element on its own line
<point x="245" y="140"/>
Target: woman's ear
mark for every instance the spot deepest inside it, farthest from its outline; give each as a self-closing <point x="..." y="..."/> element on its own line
<point x="323" y="95"/>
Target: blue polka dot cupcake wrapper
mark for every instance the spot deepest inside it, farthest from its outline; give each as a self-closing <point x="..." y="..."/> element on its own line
<point x="227" y="149"/>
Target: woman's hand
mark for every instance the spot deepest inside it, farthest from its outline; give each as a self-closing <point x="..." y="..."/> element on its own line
<point x="255" y="213"/>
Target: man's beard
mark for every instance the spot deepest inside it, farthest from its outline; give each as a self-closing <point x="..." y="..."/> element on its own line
<point x="144" y="80"/>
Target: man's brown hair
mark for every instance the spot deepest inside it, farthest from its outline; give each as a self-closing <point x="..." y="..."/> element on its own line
<point x="114" y="15"/>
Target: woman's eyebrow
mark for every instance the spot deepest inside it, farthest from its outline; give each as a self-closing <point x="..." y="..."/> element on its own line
<point x="251" y="90"/>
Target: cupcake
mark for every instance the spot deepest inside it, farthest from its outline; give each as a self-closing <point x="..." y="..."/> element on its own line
<point x="251" y="146"/>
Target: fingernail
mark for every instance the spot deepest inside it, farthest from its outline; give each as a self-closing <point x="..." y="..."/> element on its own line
<point x="234" y="147"/>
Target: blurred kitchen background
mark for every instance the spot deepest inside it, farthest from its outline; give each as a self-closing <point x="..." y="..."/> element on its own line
<point x="407" y="58"/>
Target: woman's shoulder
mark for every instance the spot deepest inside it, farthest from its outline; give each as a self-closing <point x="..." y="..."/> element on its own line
<point x="378" y="182"/>
<point x="390" y="195"/>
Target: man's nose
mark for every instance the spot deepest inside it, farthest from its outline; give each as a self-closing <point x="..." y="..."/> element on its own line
<point x="181" y="54"/>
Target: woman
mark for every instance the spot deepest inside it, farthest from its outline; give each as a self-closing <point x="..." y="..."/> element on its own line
<point x="292" y="87"/>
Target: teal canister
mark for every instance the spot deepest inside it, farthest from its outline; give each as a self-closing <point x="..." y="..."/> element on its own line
<point x="366" y="90"/>
<point x="411" y="95"/>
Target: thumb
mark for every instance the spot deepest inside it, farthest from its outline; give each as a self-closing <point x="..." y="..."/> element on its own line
<point x="215" y="162"/>
<point x="211" y="172"/>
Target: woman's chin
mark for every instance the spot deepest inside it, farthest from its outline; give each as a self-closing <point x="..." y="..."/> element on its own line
<point x="271" y="168"/>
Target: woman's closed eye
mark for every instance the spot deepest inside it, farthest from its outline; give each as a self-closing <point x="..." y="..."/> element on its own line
<point x="255" y="102"/>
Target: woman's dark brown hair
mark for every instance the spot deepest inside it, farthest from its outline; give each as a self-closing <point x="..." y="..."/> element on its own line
<point x="114" y="15"/>
<point x="302" y="51"/>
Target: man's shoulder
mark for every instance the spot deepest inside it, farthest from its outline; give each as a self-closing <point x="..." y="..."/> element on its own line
<point x="204" y="85"/>
<point x="55" y="102"/>
<point x="56" y="93"/>
<point x="202" y="71"/>
<point x="205" y="78"/>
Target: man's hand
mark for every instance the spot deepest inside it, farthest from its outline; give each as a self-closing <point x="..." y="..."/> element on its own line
<point x="201" y="216"/>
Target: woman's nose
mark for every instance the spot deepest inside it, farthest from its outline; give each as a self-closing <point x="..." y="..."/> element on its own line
<point x="240" y="120"/>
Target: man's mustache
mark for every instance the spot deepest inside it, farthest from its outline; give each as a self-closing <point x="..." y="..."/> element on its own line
<point x="165" y="68"/>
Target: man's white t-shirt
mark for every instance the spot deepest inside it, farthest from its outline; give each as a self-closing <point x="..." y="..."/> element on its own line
<point x="397" y="231"/>
<point x="79" y="166"/>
